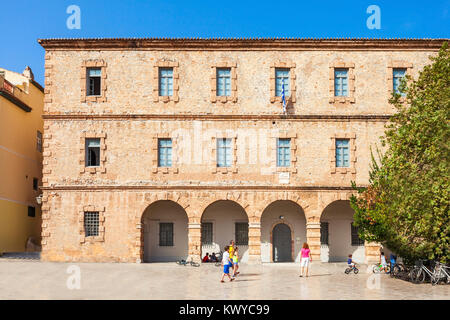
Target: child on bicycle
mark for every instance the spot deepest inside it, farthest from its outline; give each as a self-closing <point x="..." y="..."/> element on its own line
<point x="383" y="261"/>
<point x="227" y="263"/>
<point x="350" y="262"/>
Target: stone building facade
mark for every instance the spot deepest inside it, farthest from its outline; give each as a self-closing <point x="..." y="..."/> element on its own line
<point x="138" y="210"/>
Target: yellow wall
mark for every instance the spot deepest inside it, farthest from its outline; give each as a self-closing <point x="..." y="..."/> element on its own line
<point x="20" y="162"/>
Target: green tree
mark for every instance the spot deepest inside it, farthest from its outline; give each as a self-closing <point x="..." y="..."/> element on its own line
<point x="406" y="205"/>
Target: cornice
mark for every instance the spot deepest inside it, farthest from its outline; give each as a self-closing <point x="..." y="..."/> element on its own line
<point x="193" y="188"/>
<point x="211" y="117"/>
<point x="239" y="44"/>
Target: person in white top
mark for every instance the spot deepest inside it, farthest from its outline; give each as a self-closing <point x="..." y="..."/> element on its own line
<point x="383" y="261"/>
<point x="227" y="263"/>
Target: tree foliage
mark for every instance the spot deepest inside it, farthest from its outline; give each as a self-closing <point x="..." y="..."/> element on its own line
<point x="406" y="205"/>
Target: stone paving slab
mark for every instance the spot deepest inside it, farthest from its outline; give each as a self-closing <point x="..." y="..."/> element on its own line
<point x="46" y="280"/>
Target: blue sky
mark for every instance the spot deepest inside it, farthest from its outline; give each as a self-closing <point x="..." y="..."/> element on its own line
<point x="24" y="21"/>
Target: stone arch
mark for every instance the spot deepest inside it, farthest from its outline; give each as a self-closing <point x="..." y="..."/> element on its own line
<point x="224" y="220"/>
<point x="287" y="210"/>
<point x="277" y="196"/>
<point x="149" y="199"/>
<point x="228" y="196"/>
<point x="336" y="223"/>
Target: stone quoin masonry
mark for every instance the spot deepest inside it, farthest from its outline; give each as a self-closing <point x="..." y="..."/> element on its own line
<point x="127" y="207"/>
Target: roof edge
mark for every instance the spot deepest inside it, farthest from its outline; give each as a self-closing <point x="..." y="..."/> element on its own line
<point x="239" y="43"/>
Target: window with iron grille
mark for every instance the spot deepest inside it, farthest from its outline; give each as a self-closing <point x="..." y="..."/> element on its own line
<point x="165" y="152"/>
<point x="207" y="233"/>
<point x="91" y="223"/>
<point x="31" y="211"/>
<point x="282" y="78"/>
<point x="166" y="234"/>
<point x="283" y="152"/>
<point x="93" y="152"/>
<point x="356" y="241"/>
<point x="341" y="82"/>
<point x="342" y="152"/>
<point x="39" y="141"/>
<point x="324" y="233"/>
<point x="94" y="76"/>
<point x="241" y="231"/>
<point x="223" y="82"/>
<point x="397" y="77"/>
<point x="223" y="152"/>
<point x="165" y="82"/>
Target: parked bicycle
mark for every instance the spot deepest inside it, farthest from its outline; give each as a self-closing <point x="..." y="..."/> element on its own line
<point x="185" y="263"/>
<point x="219" y="256"/>
<point x="398" y="269"/>
<point x="378" y="268"/>
<point x="441" y="273"/>
<point x="420" y="272"/>
<point x="352" y="268"/>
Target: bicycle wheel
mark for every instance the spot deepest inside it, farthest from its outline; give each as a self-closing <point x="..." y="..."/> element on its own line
<point x="387" y="269"/>
<point x="347" y="271"/>
<point x="413" y="274"/>
<point x="419" y="275"/>
<point x="375" y="269"/>
<point x="356" y="270"/>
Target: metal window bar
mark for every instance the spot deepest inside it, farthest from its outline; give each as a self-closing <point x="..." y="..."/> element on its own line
<point x="166" y="234"/>
<point x="207" y="233"/>
<point x="356" y="241"/>
<point x="241" y="232"/>
<point x="91" y="223"/>
<point x="39" y="141"/>
<point x="324" y="233"/>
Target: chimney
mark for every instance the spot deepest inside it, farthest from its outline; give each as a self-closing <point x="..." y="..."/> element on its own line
<point x="28" y="73"/>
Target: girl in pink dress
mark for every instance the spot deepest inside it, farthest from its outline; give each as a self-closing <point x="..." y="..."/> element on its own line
<point x="305" y="259"/>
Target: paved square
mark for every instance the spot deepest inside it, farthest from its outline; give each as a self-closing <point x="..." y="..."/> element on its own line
<point x="45" y="280"/>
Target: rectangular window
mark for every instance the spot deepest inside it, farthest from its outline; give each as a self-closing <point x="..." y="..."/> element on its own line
<point x="282" y="77"/>
<point x="324" y="233"/>
<point x="166" y="234"/>
<point x="207" y="233"/>
<point x="39" y="141"/>
<point x="341" y="82"/>
<point x="397" y="76"/>
<point x="91" y="223"/>
<point x="165" y="82"/>
<point x="94" y="77"/>
<point x="223" y="82"/>
<point x="241" y="231"/>
<point x="223" y="152"/>
<point x="31" y="211"/>
<point x="35" y="183"/>
<point x="342" y="153"/>
<point x="165" y="152"/>
<point x="283" y="152"/>
<point x="356" y="241"/>
<point x="93" y="152"/>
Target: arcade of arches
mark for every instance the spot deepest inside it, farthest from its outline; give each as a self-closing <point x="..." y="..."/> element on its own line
<point x="267" y="226"/>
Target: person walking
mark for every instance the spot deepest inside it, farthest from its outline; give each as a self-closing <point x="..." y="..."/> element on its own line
<point x="227" y="263"/>
<point x="305" y="255"/>
<point x="235" y="262"/>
